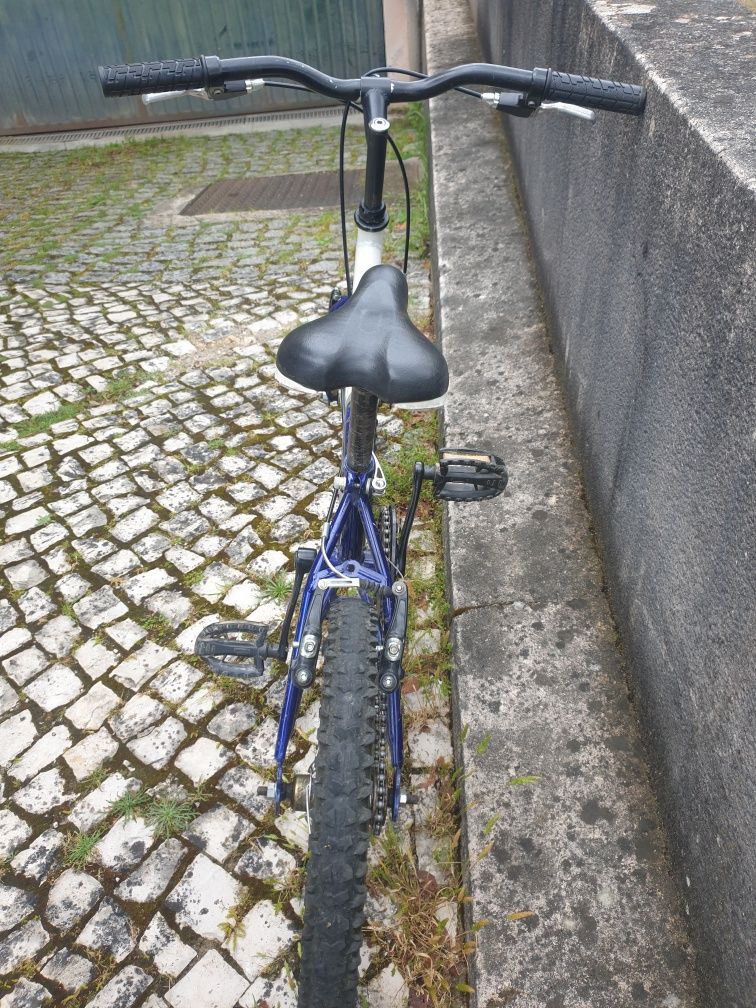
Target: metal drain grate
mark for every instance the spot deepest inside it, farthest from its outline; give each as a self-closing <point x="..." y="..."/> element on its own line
<point x="291" y="192"/>
<point x="296" y="119"/>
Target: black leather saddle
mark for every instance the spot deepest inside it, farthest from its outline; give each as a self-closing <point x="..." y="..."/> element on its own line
<point x="369" y="344"/>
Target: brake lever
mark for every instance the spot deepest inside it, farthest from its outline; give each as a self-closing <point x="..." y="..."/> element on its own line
<point x="231" y="89"/>
<point x="574" y="110"/>
<point x="518" y="104"/>
<point x="160" y="96"/>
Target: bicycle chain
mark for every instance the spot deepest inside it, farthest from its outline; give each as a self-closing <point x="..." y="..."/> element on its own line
<point x="380" y="777"/>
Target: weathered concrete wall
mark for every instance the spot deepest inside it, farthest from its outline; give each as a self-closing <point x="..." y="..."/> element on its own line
<point x="645" y="236"/>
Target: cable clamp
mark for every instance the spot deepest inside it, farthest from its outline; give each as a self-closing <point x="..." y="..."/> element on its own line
<point x="379" y="479"/>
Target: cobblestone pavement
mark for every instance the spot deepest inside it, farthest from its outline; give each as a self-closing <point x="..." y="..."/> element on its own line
<point x="154" y="478"/>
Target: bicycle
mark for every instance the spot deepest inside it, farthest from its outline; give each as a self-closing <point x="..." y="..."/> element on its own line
<point x="365" y="351"/>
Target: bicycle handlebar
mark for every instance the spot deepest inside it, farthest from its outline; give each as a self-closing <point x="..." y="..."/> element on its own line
<point x="210" y="72"/>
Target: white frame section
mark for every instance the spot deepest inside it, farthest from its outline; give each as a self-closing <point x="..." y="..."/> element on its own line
<point x="369" y="252"/>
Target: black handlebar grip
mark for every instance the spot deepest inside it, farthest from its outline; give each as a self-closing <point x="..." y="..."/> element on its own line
<point x="590" y="92"/>
<point x="163" y="75"/>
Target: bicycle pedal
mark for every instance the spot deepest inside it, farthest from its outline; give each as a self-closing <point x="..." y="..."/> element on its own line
<point x="463" y="474"/>
<point x="232" y="640"/>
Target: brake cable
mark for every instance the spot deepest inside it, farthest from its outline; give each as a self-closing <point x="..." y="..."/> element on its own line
<point x="348" y="105"/>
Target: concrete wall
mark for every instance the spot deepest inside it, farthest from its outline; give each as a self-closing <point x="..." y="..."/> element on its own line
<point x="644" y="233"/>
<point x="401" y="22"/>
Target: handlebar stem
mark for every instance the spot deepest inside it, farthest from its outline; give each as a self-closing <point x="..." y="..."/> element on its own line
<point x="375" y="92"/>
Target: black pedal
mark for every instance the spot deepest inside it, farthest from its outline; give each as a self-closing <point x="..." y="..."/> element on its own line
<point x="466" y="475"/>
<point x="239" y="640"/>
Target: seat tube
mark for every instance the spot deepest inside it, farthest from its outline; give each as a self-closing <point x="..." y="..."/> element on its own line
<point x="363" y="423"/>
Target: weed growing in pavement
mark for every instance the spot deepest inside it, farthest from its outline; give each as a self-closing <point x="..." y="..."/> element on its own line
<point x="95" y="779"/>
<point x="292" y="886"/>
<point x="419" y="444"/>
<point x="233" y="927"/>
<point x="263" y="528"/>
<point x="194" y="577"/>
<point x="158" y="626"/>
<point x="105" y="968"/>
<point x="130" y="804"/>
<point x="429" y="954"/>
<point x="233" y="690"/>
<point x="79" y="849"/>
<point x="169" y="816"/>
<point x="410" y="130"/>
<point x="123" y="387"/>
<point x="116" y="390"/>
<point x="276" y="587"/>
<point x="42" y="423"/>
<point x="28" y="969"/>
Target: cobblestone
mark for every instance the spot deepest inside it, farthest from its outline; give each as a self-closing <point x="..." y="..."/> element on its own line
<point x="15" y="906"/>
<point x="69" y="970"/>
<point x="109" y="931"/>
<point x="71" y="898"/>
<point x="25" y="995"/>
<point x="220" y="985"/>
<point x="151" y="879"/>
<point x="218" y="832"/>
<point x="128" y="526"/>
<point x="123" y="990"/>
<point x="88" y="755"/>
<point x="169" y="954"/>
<point x="44" y="793"/>
<point x="125" y="844"/>
<point x="17" y="735"/>
<point x="202" y="898"/>
<point x="44" y="752"/>
<point x="37" y="861"/>
<point x="263" y="936"/>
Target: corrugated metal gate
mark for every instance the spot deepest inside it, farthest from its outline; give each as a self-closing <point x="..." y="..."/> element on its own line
<point x="50" y="49"/>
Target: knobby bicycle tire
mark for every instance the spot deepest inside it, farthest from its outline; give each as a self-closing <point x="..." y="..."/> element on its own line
<point x="340" y="810"/>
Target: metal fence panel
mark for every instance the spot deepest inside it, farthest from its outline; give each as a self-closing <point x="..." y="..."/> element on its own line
<point x="50" y="49"/>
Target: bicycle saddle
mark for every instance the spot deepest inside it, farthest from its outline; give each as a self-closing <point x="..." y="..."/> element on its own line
<point x="370" y="343"/>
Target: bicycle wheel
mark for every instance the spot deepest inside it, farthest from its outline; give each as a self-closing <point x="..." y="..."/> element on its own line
<point x="340" y="810"/>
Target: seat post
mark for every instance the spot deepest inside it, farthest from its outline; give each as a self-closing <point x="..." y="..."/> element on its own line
<point x="363" y="423"/>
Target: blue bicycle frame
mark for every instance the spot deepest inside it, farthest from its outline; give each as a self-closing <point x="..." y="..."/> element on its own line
<point x="352" y="547"/>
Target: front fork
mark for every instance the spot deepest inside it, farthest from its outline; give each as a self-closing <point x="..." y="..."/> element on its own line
<point x="353" y="520"/>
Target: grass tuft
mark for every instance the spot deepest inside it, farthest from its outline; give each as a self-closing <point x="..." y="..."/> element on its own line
<point x="123" y="387"/>
<point x="159" y="627"/>
<point x="42" y="423"/>
<point x="79" y="849"/>
<point x="276" y="587"/>
<point x="430" y="956"/>
<point x="129" y="805"/>
<point x="169" y="816"/>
